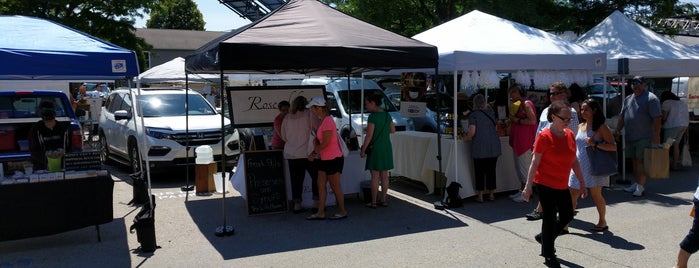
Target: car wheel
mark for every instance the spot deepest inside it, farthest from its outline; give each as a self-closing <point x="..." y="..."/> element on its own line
<point x="135" y="159"/>
<point x="104" y="151"/>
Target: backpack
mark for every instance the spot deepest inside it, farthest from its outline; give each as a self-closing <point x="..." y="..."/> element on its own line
<point x="453" y="199"/>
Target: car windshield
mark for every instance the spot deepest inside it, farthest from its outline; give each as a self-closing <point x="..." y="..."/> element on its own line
<point x="443" y="101"/>
<point x="174" y="105"/>
<point x="27" y="106"/>
<point x="356" y="100"/>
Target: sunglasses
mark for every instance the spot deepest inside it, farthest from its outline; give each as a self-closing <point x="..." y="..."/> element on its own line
<point x="555" y="93"/>
<point x="564" y="119"/>
<point x="636" y="83"/>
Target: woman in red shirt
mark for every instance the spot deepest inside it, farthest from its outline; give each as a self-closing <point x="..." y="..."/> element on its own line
<point x="555" y="148"/>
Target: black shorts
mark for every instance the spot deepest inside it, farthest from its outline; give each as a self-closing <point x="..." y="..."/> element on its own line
<point x="332" y="166"/>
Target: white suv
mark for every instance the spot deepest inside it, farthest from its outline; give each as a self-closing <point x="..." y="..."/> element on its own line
<point x="166" y="128"/>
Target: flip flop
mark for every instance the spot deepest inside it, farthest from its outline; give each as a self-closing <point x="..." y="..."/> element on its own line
<point x="370" y="205"/>
<point x="599" y="228"/>
<point x="338" y="217"/>
<point x="315" y="217"/>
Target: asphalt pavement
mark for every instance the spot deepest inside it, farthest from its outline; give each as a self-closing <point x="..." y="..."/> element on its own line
<point x="643" y="232"/>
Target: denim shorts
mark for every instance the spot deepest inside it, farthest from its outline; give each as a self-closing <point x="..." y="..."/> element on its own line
<point x="675" y="133"/>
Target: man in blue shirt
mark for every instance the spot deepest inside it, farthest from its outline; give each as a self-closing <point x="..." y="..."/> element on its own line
<point x="641" y="115"/>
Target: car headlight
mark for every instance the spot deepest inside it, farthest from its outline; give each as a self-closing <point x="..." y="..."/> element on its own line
<point x="228" y="130"/>
<point x="159" y="133"/>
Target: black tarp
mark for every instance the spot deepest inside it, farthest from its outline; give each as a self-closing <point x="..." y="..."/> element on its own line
<point x="309" y="37"/>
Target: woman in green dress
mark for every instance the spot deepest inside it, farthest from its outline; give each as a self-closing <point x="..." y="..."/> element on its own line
<point x="377" y="147"/>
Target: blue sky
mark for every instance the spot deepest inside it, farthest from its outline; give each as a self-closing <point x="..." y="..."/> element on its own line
<point x="219" y="18"/>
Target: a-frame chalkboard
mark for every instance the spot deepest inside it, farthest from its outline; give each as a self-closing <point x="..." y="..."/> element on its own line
<point x="265" y="185"/>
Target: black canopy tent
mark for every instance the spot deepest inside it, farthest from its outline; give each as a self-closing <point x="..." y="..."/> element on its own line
<point x="308" y="37"/>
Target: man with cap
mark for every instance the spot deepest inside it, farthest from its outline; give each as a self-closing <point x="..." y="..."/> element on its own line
<point x="641" y="115"/>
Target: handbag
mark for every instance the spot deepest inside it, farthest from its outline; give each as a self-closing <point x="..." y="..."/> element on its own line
<point x="602" y="163"/>
<point x="343" y="145"/>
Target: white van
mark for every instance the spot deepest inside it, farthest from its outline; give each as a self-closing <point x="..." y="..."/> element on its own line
<point x="344" y="102"/>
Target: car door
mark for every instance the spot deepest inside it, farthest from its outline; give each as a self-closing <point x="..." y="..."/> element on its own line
<point x="123" y="128"/>
<point x="107" y="124"/>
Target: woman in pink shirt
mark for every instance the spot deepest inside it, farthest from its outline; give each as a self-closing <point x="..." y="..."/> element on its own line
<point x="331" y="160"/>
<point x="277" y="141"/>
<point x="554" y="157"/>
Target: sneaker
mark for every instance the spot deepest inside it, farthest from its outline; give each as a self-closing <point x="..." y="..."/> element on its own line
<point x="515" y="195"/>
<point x="639" y="191"/>
<point x="534" y="216"/>
<point x="518" y="199"/>
<point x="537" y="237"/>
<point x="631" y="188"/>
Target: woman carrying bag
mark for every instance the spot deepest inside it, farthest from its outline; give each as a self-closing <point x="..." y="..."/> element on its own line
<point x="377" y="147"/>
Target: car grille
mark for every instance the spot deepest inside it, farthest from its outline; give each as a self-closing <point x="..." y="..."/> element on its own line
<point x="198" y="138"/>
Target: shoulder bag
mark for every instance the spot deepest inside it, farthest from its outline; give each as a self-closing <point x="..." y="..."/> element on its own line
<point x="602" y="163"/>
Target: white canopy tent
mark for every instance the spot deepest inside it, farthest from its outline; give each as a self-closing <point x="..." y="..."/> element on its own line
<point x="650" y="54"/>
<point x="482" y="42"/>
<point x="173" y="72"/>
<point x="480" y="45"/>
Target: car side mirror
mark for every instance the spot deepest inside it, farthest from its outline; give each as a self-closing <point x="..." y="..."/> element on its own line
<point x="121" y="114"/>
<point x="335" y="112"/>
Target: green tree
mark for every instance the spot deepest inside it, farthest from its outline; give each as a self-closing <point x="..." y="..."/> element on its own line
<point x="410" y="17"/>
<point x="109" y="20"/>
<point x="176" y="14"/>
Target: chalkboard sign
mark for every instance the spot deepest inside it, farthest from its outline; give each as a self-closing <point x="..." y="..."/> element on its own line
<point x="265" y="184"/>
<point x="83" y="161"/>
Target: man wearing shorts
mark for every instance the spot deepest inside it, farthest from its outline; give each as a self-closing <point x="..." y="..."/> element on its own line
<point x="641" y="115"/>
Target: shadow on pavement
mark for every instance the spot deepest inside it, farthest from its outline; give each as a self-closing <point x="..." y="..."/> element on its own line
<point x="280" y="232"/>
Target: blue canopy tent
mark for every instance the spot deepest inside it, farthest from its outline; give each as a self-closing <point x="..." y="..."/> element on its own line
<point x="34" y="48"/>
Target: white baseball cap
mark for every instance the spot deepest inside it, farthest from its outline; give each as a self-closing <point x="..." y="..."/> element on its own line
<point x="316" y="101"/>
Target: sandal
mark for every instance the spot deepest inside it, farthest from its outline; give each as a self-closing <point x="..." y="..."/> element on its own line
<point x="599" y="228"/>
<point x="384" y="204"/>
<point x="370" y="205"/>
<point x="315" y="217"/>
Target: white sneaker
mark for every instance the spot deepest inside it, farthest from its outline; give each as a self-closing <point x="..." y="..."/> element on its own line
<point x="518" y="199"/>
<point x="631" y="188"/>
<point x="515" y="195"/>
<point x="639" y="191"/>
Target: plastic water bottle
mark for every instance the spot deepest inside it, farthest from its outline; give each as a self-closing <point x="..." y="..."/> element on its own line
<point x="205" y="155"/>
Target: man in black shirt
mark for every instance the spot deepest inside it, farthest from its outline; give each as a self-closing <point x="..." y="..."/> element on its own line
<point x="47" y="135"/>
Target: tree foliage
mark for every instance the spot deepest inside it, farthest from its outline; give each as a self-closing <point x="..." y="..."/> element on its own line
<point x="410" y="17"/>
<point x="176" y="14"/>
<point x="109" y="20"/>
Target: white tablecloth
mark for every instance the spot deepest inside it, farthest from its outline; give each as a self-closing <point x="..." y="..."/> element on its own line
<point x="353" y="174"/>
<point x="415" y="157"/>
